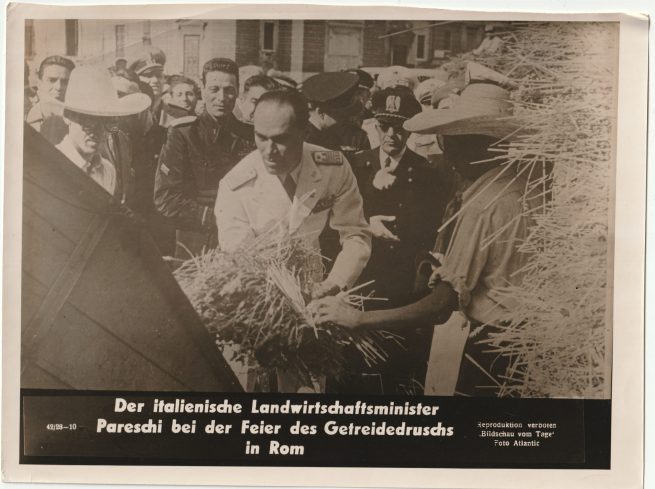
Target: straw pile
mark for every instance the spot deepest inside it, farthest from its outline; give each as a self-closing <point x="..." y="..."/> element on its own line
<point x="558" y="332"/>
<point x="256" y="298"/>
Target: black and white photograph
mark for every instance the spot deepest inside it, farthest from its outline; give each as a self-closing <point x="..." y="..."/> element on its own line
<point x="366" y="207"/>
<point x="372" y="221"/>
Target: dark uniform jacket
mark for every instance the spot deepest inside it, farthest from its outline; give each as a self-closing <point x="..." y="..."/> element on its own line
<point x="198" y="152"/>
<point x="246" y="132"/>
<point x="417" y="201"/>
<point x="345" y="137"/>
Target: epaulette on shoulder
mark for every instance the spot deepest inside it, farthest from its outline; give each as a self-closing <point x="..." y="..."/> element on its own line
<point x="181" y="121"/>
<point x="335" y="158"/>
<point x="238" y="178"/>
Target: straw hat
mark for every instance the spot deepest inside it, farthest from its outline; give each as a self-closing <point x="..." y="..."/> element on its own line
<point x="91" y="92"/>
<point x="424" y="91"/>
<point x="481" y="108"/>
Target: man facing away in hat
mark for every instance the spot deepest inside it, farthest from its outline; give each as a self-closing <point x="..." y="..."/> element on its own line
<point x="480" y="240"/>
<point x="403" y="202"/>
<point x="45" y="115"/>
<point x="198" y="152"/>
<point x="300" y="187"/>
<point x="90" y="105"/>
<point x="365" y="84"/>
<point x="333" y="101"/>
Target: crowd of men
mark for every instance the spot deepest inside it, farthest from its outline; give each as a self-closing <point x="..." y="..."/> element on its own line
<point x="377" y="173"/>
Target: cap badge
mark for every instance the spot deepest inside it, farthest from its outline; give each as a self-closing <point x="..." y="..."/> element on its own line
<point x="393" y="103"/>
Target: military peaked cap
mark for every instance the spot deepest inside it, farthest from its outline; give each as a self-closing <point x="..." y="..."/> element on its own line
<point x="395" y="104"/>
<point x="333" y="89"/>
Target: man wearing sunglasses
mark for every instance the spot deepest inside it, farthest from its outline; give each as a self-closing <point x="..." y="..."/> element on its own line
<point x="403" y="204"/>
<point x="90" y="108"/>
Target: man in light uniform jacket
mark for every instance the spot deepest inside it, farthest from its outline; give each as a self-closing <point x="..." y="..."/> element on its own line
<point x="302" y="185"/>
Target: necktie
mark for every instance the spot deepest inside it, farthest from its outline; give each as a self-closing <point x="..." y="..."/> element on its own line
<point x="92" y="165"/>
<point x="290" y="186"/>
<point x="384" y="178"/>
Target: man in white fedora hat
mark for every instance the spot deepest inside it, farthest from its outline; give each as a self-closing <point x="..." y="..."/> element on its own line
<point x="482" y="228"/>
<point x="90" y="104"/>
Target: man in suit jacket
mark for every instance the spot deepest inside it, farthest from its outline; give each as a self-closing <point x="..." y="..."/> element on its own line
<point x="402" y="199"/>
<point x="303" y="186"/>
<point x="404" y="203"/>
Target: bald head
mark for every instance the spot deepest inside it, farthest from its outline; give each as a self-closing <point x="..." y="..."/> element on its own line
<point x="279" y="133"/>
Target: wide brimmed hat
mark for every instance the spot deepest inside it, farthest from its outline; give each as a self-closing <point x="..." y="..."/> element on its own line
<point x="91" y="92"/>
<point x="481" y="108"/>
<point x="426" y="89"/>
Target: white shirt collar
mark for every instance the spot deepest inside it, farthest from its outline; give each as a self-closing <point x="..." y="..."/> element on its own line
<point x="66" y="146"/>
<point x="395" y="160"/>
<point x="102" y="171"/>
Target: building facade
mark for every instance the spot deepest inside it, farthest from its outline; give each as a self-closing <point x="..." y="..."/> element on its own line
<point x="297" y="47"/>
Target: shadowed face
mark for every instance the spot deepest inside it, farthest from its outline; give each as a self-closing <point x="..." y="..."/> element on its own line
<point x="468" y="154"/>
<point x="154" y="77"/>
<point x="278" y="138"/>
<point x="86" y="132"/>
<point x="54" y="82"/>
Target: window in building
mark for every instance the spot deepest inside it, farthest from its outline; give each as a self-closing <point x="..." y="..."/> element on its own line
<point x="421" y="52"/>
<point x="268" y="36"/>
<point x="191" y="55"/>
<point x="29" y="38"/>
<point x="399" y="54"/>
<point x="345" y="45"/>
<point x="120" y="40"/>
<point x="71" y="37"/>
<point x="147" y="40"/>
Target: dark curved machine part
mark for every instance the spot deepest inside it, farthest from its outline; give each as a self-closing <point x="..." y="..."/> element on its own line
<point x="100" y="308"/>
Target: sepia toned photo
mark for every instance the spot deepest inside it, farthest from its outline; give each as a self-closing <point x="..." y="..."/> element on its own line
<point x="329" y="206"/>
<point x="339" y="246"/>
